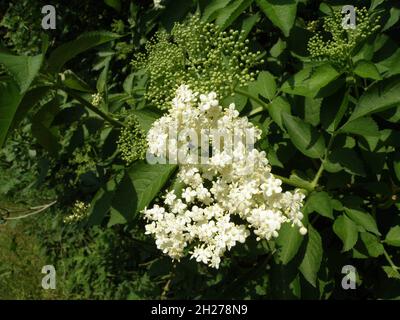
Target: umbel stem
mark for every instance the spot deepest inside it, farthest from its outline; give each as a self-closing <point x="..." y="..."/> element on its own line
<point x="93" y="108"/>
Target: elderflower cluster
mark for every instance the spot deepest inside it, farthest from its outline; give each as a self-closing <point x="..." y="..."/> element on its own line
<point x="222" y="201"/>
<point x="158" y="4"/>
<point x="132" y="141"/>
<point x="198" y="54"/>
<point x="79" y="212"/>
<point x="340" y="43"/>
<point x="96" y="99"/>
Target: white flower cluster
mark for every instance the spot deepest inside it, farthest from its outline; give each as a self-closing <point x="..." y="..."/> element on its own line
<point x="97" y="99"/>
<point x="158" y="4"/>
<point x="223" y="200"/>
<point x="79" y="212"/>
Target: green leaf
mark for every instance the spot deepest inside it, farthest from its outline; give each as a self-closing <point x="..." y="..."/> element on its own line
<point x="69" y="50"/>
<point x="393" y="237"/>
<point x="381" y="96"/>
<point x="362" y="127"/>
<point x="124" y="202"/>
<point x="311" y="263"/>
<point x="288" y="242"/>
<point x="312" y="110"/>
<point x="10" y="98"/>
<point x="229" y="14"/>
<point x="391" y="65"/>
<point x="115" y="4"/>
<point x="249" y="23"/>
<point x="348" y="160"/>
<point x="396" y="167"/>
<point x="128" y="83"/>
<point x="394" y="18"/>
<point x="375" y="3"/>
<point x="347" y="231"/>
<point x="72" y="81"/>
<point x="47" y="136"/>
<point x="304" y="136"/>
<point x="102" y="80"/>
<point x="282" y="13"/>
<point x="30" y="99"/>
<point x="333" y="108"/>
<point x="320" y="202"/>
<point x="392" y="272"/>
<point x="310" y="80"/>
<point x="278" y="106"/>
<point x="363" y="219"/>
<point x="101" y="203"/>
<point x="366" y="69"/>
<point x="371" y="242"/>
<point x="211" y="11"/>
<point x="284" y="282"/>
<point x="146" y="117"/>
<point x="266" y="85"/>
<point x="23" y="68"/>
<point x="147" y="180"/>
<point x="278" y="48"/>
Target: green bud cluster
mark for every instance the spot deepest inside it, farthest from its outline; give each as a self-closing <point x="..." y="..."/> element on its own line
<point x="197" y="54"/>
<point x="118" y="26"/>
<point x="83" y="160"/>
<point x="337" y="44"/>
<point x="132" y="141"/>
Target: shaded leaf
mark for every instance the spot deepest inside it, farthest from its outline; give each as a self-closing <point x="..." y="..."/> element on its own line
<point x="69" y="50"/>
<point x="101" y="203"/>
<point x="304" y="136"/>
<point x="348" y="160"/>
<point x="24" y="69"/>
<point x="10" y="99"/>
<point x="231" y="12"/>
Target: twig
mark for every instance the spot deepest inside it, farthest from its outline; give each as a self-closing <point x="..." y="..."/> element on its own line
<point x="42" y="208"/>
<point x="96" y="110"/>
<point x="394" y="267"/>
<point x="168" y="284"/>
<point x="264" y="106"/>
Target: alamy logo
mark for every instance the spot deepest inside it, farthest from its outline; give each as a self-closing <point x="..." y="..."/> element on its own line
<point x="49" y="20"/>
<point x="49" y="280"/>
<point x="350" y="278"/>
<point x="349" y="20"/>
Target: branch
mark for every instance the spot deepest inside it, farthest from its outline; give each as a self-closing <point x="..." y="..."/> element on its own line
<point x="264" y="106"/>
<point x="93" y="108"/>
<point x="40" y="209"/>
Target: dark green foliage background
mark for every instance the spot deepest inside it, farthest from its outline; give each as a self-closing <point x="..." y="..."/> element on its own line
<point x="57" y="148"/>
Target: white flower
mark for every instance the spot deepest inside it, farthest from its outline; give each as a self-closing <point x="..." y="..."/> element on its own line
<point x="189" y="194"/>
<point x="157" y="4"/>
<point x="271" y="186"/>
<point x="96" y="99"/>
<point x="169" y="198"/>
<point x="233" y="183"/>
